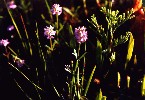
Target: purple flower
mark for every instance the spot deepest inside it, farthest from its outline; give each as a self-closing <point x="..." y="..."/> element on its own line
<point x="11" y="5"/>
<point x="4" y="42"/>
<point x="10" y="27"/>
<point x="81" y="34"/>
<point x="56" y="9"/>
<point x="49" y="32"/>
<point x="19" y="61"/>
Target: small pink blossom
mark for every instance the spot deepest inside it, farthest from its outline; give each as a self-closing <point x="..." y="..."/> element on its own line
<point x="49" y="32"/>
<point x="11" y="5"/>
<point x="10" y="28"/>
<point x="81" y="34"/>
<point x="4" y="42"/>
<point x="56" y="9"/>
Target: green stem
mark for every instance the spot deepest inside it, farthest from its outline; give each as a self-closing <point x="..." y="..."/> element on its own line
<point x="83" y="72"/>
<point x="47" y="5"/>
<point x="22" y="90"/>
<point x="15" y="25"/>
<point x="57" y="26"/>
<point x="27" y="37"/>
<point x="78" y="84"/>
<point x="51" y="44"/>
<point x="40" y="49"/>
<point x="25" y="76"/>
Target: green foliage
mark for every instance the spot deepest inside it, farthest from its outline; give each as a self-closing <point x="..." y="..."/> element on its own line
<point x="100" y="96"/>
<point x="114" y="20"/>
<point x="77" y="84"/>
<point x="130" y="49"/>
<point x="25" y="6"/>
<point x="99" y="53"/>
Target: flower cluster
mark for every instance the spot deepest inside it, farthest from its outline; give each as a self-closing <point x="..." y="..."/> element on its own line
<point x="49" y="32"/>
<point x="56" y="9"/>
<point x="4" y="42"/>
<point x="81" y="34"/>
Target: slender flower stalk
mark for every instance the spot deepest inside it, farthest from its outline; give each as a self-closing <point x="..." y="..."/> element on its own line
<point x="27" y="36"/>
<point x="49" y="11"/>
<point x="15" y="25"/>
<point x="57" y="26"/>
<point x="83" y="69"/>
<point x="56" y="10"/>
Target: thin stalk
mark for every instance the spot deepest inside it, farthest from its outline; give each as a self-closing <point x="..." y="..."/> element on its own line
<point x="51" y="44"/>
<point x="25" y="77"/>
<point x="37" y="74"/>
<point x="47" y="5"/>
<point x="22" y="90"/>
<point x="40" y="49"/>
<point x="78" y="83"/>
<point x="57" y="26"/>
<point x="26" y="33"/>
<point x="15" y="25"/>
<point x="79" y="50"/>
<point x="83" y="72"/>
<point x="72" y="82"/>
<point x="12" y="51"/>
<point x="85" y="7"/>
<point x="77" y="78"/>
<point x="89" y="81"/>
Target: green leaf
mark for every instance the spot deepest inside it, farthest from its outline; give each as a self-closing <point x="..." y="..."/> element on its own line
<point x="99" y="96"/>
<point x="68" y="11"/>
<point x="130" y="49"/>
<point x="89" y="81"/>
<point x="82" y="56"/>
<point x="72" y="42"/>
<point x="99" y="52"/>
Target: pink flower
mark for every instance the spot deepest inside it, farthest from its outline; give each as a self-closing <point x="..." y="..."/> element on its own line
<point x="56" y="9"/>
<point x="11" y="5"/>
<point x="49" y="32"/>
<point x="81" y="34"/>
<point x="4" y="42"/>
<point x="10" y="28"/>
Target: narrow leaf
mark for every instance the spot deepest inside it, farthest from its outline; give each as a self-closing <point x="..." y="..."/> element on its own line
<point x="130" y="49"/>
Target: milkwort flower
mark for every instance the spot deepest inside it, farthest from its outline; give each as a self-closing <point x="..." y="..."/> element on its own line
<point x="81" y="34"/>
<point x="4" y="42"/>
<point x="56" y="9"/>
<point x="11" y="5"/>
<point x="10" y="28"/>
<point x="18" y="61"/>
<point x="49" y="32"/>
